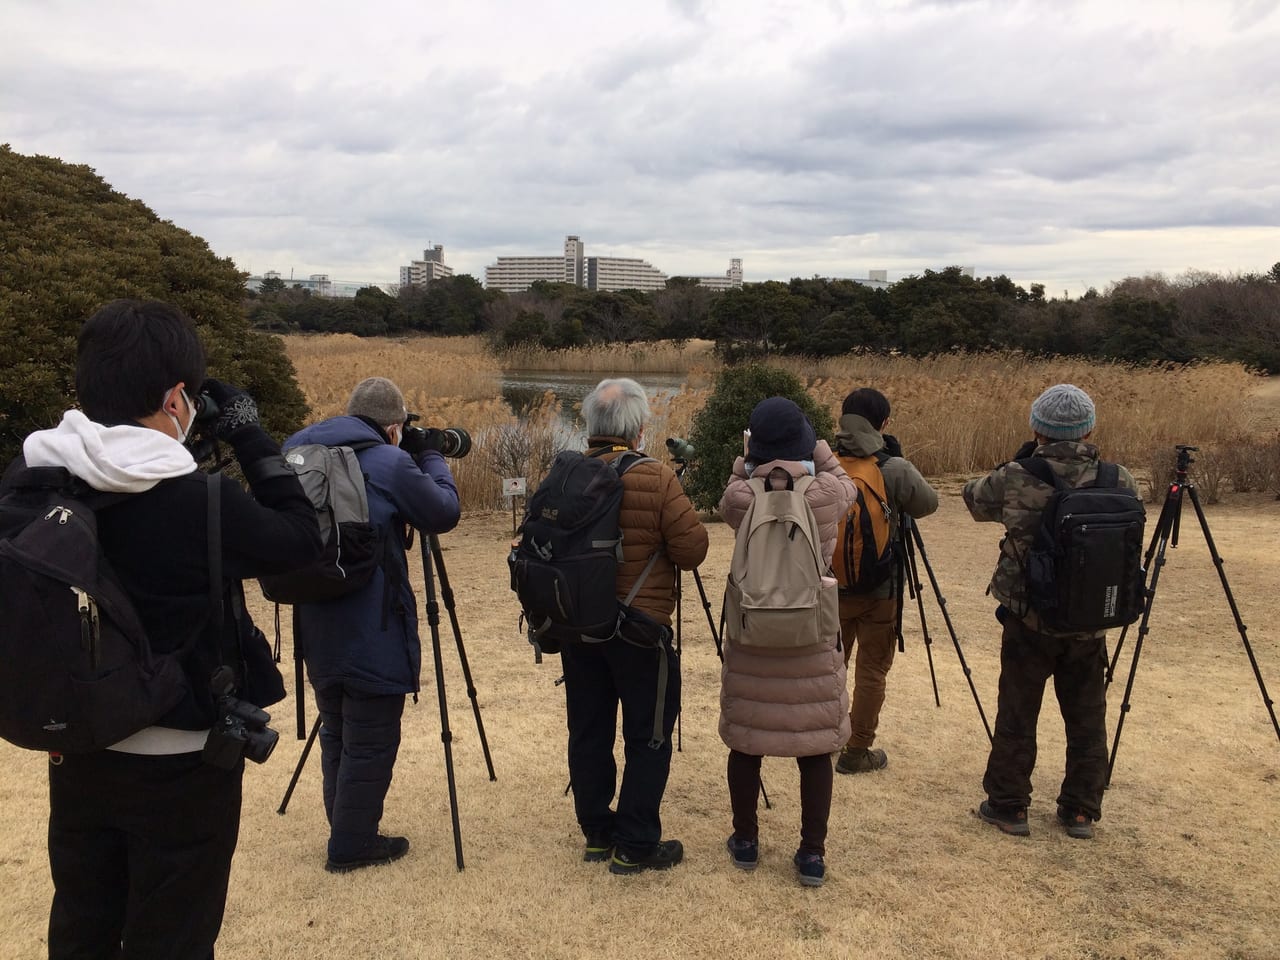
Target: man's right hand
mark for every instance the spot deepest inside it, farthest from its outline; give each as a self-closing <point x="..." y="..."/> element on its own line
<point x="236" y="408"/>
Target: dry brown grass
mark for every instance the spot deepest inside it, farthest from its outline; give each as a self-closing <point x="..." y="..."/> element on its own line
<point x="1186" y="864"/>
<point x="620" y="359"/>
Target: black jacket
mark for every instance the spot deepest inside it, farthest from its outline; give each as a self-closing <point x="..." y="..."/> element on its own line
<point x="157" y="543"/>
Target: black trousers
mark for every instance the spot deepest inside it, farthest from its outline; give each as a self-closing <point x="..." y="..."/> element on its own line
<point x="597" y="678"/>
<point x="815" y="798"/>
<point x="140" y="852"/>
<point x="359" y="740"/>
<point x="1078" y="667"/>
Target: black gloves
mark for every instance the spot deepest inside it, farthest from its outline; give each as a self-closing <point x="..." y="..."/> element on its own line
<point x="236" y="408"/>
<point x="415" y="440"/>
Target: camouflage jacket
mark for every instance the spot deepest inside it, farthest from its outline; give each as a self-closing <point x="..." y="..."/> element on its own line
<point x="1012" y="496"/>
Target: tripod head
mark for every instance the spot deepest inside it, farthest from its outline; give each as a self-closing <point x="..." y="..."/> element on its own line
<point x="1185" y="460"/>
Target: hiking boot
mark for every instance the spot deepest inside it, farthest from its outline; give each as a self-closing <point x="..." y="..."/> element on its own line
<point x="663" y="856"/>
<point x="1078" y="823"/>
<point x="811" y="869"/>
<point x="861" y="760"/>
<point x="598" y="849"/>
<point x="374" y="853"/>
<point x="1012" y="820"/>
<point x="744" y="853"/>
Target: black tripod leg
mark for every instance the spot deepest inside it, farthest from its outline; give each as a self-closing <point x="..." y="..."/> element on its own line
<point x="446" y="735"/>
<point x="1235" y="611"/>
<point x="446" y="592"/>
<point x="1172" y="501"/>
<point x="946" y="619"/>
<point x="297" y="771"/>
<point x="765" y="793"/>
<point x="706" y="607"/>
<point x="910" y="569"/>
<point x="1163" y="529"/>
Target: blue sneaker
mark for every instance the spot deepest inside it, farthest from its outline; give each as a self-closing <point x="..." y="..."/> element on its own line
<point x="744" y="853"/>
<point x="811" y="868"/>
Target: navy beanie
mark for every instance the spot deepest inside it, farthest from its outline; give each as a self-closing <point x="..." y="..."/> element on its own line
<point x="780" y="431"/>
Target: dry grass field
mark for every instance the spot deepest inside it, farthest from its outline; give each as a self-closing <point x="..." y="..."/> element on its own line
<point x="1186" y="863"/>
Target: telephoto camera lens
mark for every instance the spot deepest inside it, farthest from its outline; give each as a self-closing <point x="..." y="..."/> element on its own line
<point x="455" y="442"/>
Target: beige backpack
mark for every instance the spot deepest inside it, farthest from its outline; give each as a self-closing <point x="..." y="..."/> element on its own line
<point x="778" y="593"/>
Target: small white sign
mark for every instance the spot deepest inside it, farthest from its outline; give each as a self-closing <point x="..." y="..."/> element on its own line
<point x="513" y="487"/>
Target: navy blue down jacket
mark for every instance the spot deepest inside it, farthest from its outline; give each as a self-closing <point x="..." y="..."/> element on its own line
<point x="348" y="639"/>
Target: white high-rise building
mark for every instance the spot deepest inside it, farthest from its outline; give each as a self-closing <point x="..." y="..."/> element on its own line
<point x="623" y="273"/>
<point x="517" y="274"/>
<point x="732" y="279"/>
<point x="419" y="273"/>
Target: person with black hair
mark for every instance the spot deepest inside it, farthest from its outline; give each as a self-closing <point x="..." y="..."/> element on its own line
<point x="141" y="835"/>
<point x="362" y="650"/>
<point x="868" y="620"/>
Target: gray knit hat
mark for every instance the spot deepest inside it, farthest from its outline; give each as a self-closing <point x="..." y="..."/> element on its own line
<point x="1063" y="412"/>
<point x="378" y="399"/>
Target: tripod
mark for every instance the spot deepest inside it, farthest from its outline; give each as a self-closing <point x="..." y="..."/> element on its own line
<point x="913" y="548"/>
<point x="431" y="554"/>
<point x="1166" y="532"/>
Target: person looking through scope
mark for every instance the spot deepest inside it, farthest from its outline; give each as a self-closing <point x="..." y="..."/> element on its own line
<point x="660" y="527"/>
<point x="869" y="619"/>
<point x="362" y="650"/>
<point x="1016" y="494"/>
<point x="141" y="834"/>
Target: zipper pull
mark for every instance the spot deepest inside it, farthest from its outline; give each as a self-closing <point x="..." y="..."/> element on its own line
<point x="62" y="513"/>
<point x="89" y="626"/>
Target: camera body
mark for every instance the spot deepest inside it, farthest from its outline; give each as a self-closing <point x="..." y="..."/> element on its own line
<point x="451" y="441"/>
<point x="241" y="728"/>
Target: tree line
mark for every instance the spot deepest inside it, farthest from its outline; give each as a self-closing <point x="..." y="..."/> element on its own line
<point x="1153" y="318"/>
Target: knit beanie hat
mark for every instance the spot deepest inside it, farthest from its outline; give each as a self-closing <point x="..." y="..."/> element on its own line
<point x="378" y="399"/>
<point x="780" y="431"/>
<point x="1063" y="412"/>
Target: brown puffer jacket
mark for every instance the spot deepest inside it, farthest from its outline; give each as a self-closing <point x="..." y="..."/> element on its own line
<point x="655" y="514"/>
<point x="788" y="702"/>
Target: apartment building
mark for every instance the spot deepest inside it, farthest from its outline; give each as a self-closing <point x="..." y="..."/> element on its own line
<point x="419" y="273"/>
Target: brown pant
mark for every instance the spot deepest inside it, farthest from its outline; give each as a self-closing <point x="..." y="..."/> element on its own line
<point x="868" y="621"/>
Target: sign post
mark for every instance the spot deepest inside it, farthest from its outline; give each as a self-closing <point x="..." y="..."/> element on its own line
<point x="513" y="487"/>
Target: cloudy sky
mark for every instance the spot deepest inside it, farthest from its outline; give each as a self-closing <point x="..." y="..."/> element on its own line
<point x="1065" y="142"/>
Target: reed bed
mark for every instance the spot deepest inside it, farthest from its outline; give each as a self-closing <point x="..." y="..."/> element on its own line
<point x="956" y="414"/>
<point x="619" y="359"/>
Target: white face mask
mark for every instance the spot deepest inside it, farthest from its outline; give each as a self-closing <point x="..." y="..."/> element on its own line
<point x="184" y="433"/>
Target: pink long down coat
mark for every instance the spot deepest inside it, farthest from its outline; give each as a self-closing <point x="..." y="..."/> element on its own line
<point x="788" y="703"/>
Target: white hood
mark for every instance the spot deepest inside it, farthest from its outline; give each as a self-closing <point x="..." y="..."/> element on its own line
<point x="123" y="459"/>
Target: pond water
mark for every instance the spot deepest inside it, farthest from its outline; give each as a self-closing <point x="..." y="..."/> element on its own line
<point x="521" y="389"/>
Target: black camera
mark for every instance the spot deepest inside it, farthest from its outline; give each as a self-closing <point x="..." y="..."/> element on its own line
<point x="241" y="728"/>
<point x="451" y="441"/>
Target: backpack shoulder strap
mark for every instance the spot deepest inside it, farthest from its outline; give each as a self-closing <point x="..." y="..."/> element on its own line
<point x="628" y="460"/>
<point x="1108" y="475"/>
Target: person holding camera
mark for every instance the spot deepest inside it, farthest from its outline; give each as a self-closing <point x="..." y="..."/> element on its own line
<point x="1015" y="495"/>
<point x="869" y="620"/>
<point x="660" y="532"/>
<point x="141" y="835"/>
<point x="362" y="650"/>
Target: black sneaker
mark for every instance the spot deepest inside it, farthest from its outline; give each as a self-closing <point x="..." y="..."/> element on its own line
<point x="598" y="849"/>
<point x="1012" y="820"/>
<point x="744" y="853"/>
<point x="664" y="856"/>
<point x="811" y="868"/>
<point x="376" y="852"/>
<point x="1077" y="823"/>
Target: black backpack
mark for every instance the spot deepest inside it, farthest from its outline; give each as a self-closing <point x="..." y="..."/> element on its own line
<point x="77" y="672"/>
<point x="1084" y="570"/>
<point x="334" y="482"/>
<point x="565" y="569"/>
